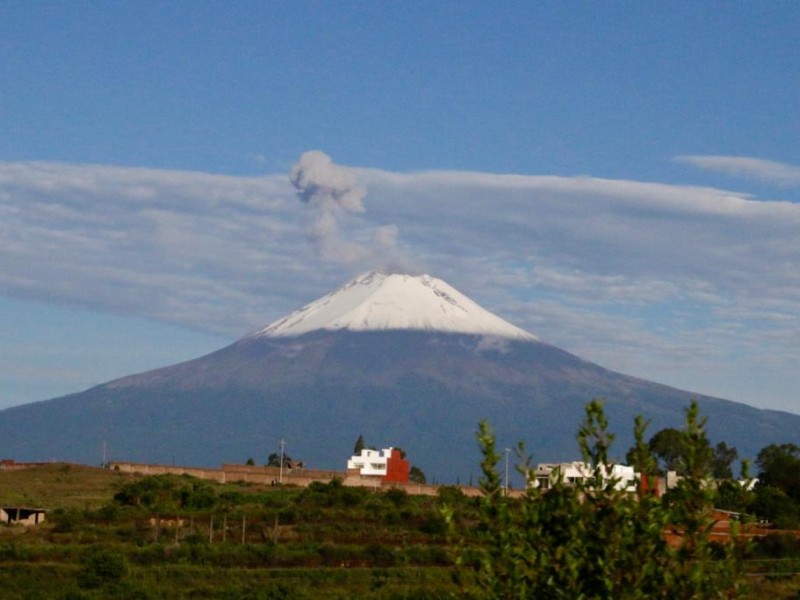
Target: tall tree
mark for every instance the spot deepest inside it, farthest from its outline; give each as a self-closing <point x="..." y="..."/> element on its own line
<point x="779" y="467"/>
<point x="669" y="447"/>
<point x="721" y="463"/>
<point x="417" y="475"/>
<point x="359" y="445"/>
<point x="672" y="447"/>
<point x="274" y="460"/>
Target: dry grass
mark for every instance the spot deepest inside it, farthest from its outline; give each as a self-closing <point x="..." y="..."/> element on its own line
<point x="778" y="588"/>
<point x="59" y="485"/>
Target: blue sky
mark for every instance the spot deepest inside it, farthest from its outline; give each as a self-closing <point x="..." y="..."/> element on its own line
<point x="621" y="179"/>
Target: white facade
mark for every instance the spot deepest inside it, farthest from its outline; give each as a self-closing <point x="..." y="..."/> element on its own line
<point x="21" y="516"/>
<point x="577" y="472"/>
<point x="370" y="462"/>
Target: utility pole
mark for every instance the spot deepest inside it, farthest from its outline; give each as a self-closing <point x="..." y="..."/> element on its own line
<point x="280" y="472"/>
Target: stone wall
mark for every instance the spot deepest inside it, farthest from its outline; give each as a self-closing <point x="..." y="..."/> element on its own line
<point x="298" y="477"/>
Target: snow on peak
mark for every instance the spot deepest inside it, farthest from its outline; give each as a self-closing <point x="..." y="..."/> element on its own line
<point x="381" y="301"/>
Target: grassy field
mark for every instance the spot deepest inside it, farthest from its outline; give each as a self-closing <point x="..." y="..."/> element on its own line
<point x="59" y="485"/>
<point x="178" y="537"/>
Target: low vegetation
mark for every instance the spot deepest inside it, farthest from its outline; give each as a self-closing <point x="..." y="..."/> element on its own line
<point x="592" y="539"/>
<point x="109" y="534"/>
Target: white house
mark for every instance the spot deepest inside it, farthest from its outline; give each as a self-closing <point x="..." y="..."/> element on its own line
<point x="370" y="462"/>
<point x="577" y="472"/>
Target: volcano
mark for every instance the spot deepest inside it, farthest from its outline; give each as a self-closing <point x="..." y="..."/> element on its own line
<point x="403" y="360"/>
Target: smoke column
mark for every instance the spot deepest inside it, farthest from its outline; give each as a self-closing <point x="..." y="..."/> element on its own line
<point x="333" y="191"/>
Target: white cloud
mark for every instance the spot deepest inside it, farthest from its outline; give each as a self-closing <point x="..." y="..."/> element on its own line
<point x="145" y="241"/>
<point x="769" y="171"/>
<point x="666" y="281"/>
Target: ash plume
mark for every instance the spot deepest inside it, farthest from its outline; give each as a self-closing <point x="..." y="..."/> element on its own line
<point x="326" y="185"/>
<point x="333" y="191"/>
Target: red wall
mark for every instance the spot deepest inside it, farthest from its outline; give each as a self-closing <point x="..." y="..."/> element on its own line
<point x="397" y="468"/>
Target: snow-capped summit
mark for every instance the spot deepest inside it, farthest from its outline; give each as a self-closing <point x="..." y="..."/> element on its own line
<point x="377" y="301"/>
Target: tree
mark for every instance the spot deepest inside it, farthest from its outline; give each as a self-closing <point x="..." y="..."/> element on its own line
<point x="155" y="492"/>
<point x="732" y="495"/>
<point x="773" y="504"/>
<point x="591" y="539"/>
<point x="102" y="567"/>
<point x="722" y="461"/>
<point x="641" y="458"/>
<point x="779" y="467"/>
<point x="250" y="462"/>
<point x="416" y="475"/>
<point x="274" y="460"/>
<point x="668" y="447"/>
<point x="359" y="445"/>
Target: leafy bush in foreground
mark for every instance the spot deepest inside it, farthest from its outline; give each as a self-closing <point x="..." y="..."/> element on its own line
<point x="591" y="540"/>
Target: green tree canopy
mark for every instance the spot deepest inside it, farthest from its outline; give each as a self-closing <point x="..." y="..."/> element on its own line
<point x="274" y="460"/>
<point x="668" y="446"/>
<point x="779" y="467"/>
<point x="722" y="461"/>
<point x="417" y="475"/>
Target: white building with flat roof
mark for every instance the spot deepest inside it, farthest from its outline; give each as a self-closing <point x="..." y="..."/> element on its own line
<point x="577" y="472"/>
<point x="370" y="462"/>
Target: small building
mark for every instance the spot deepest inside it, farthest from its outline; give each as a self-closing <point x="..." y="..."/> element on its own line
<point x="573" y="473"/>
<point x="21" y="515"/>
<point x="387" y="464"/>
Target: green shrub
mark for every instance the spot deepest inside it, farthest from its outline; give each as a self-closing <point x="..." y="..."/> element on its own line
<point x="590" y="540"/>
<point x="380" y="555"/>
<point x="397" y="496"/>
<point x="331" y="494"/>
<point x="776" y="546"/>
<point x="283" y="590"/>
<point x="11" y="551"/>
<point x="68" y="520"/>
<point x="197" y="495"/>
<point x="433" y="524"/>
<point x="775" y="505"/>
<point x="450" y="495"/>
<point x="102" y="567"/>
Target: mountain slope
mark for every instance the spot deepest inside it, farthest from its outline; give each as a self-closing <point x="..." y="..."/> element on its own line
<point x="421" y="387"/>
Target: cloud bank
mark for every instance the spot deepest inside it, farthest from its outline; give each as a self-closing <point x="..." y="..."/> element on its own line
<point x="671" y="281"/>
<point x="742" y="166"/>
